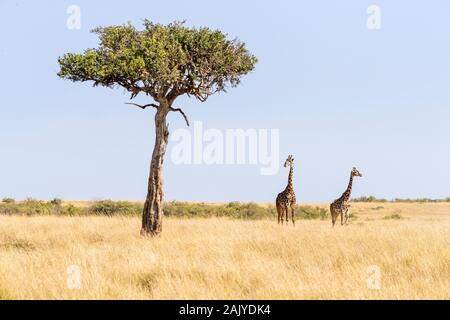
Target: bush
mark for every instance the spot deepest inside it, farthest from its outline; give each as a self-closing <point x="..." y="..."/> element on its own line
<point x="35" y="207"/>
<point x="368" y="199"/>
<point x="232" y="210"/>
<point x="401" y="200"/>
<point x="420" y="200"/>
<point x="254" y="211"/>
<point x="71" y="210"/>
<point x="56" y="202"/>
<point x="8" y="200"/>
<point x="31" y="207"/>
<point x="110" y="208"/>
<point x="309" y="213"/>
<point x="9" y="208"/>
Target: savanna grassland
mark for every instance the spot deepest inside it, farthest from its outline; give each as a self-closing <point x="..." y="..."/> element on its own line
<point x="223" y="258"/>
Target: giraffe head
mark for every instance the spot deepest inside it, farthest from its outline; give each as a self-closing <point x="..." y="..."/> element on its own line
<point x="289" y="161"/>
<point x="356" y="173"/>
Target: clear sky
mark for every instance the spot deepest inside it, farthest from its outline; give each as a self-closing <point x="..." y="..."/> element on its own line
<point x="340" y="94"/>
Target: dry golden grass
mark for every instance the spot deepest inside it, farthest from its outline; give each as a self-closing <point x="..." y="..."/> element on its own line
<point x="225" y="259"/>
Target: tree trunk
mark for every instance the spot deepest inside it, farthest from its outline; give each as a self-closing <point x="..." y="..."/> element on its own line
<point x="153" y="209"/>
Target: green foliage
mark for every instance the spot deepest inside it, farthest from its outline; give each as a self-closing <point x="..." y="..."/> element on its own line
<point x="368" y="199"/>
<point x="421" y="200"/>
<point x="71" y="210"/>
<point x="37" y="207"/>
<point x="400" y="200"/>
<point x="8" y="200"/>
<point x="31" y="207"/>
<point x="56" y="201"/>
<point x="194" y="61"/>
<point x="110" y="208"/>
<point x="232" y="210"/>
<point x="9" y="208"/>
<point x="309" y="213"/>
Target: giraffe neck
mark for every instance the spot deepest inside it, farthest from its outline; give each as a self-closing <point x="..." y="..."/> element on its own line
<point x="291" y="173"/>
<point x="348" y="192"/>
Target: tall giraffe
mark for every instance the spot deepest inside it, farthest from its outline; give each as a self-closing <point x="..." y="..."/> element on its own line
<point x="341" y="206"/>
<point x="286" y="198"/>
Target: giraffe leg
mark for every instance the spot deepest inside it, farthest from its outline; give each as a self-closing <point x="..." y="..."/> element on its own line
<point x="293" y="215"/>
<point x="342" y="218"/>
<point x="282" y="214"/>
<point x="279" y="213"/>
<point x="333" y="216"/>
<point x="347" y="214"/>
<point x="287" y="214"/>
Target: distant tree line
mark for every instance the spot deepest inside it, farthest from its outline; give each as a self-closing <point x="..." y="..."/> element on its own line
<point x="407" y="200"/>
<point x="234" y="210"/>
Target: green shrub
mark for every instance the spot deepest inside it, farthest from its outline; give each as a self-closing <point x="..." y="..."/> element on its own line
<point x="232" y="210"/>
<point x="31" y="207"/>
<point x="8" y="200"/>
<point x="71" y="210"/>
<point x="420" y="200"/>
<point x="35" y="207"/>
<point x="110" y="208"/>
<point x="56" y="202"/>
<point x="400" y="200"/>
<point x="368" y="199"/>
<point x="309" y="213"/>
<point x="9" y="208"/>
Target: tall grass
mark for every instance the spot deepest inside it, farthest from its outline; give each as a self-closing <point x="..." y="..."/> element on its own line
<point x="218" y="258"/>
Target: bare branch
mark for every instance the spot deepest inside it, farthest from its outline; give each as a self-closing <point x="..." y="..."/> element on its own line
<point x="133" y="95"/>
<point x="143" y="106"/>
<point x="182" y="113"/>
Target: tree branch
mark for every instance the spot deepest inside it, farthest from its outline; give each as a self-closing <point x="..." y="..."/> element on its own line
<point x="143" y="106"/>
<point x="182" y="113"/>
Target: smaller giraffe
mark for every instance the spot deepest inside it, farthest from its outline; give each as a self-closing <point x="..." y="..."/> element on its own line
<point x="286" y="199"/>
<point x="341" y="206"/>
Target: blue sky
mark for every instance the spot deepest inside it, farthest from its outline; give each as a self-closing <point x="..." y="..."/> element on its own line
<point x="340" y="94"/>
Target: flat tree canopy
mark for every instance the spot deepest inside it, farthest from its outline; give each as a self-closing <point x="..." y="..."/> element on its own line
<point x="164" y="62"/>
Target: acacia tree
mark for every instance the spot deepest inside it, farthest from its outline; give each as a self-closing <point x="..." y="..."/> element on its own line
<point x="161" y="62"/>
